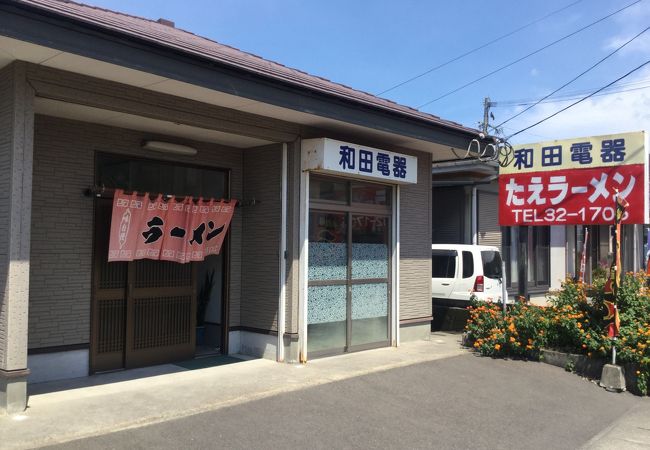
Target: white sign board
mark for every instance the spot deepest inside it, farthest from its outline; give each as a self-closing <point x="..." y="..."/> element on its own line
<point x="342" y="158"/>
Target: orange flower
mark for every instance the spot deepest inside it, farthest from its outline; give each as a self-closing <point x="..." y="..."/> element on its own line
<point x="497" y="347"/>
<point x="512" y="339"/>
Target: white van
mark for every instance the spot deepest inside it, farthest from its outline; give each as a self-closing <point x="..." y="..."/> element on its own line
<point x="458" y="270"/>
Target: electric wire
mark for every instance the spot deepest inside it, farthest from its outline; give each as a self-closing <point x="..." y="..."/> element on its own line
<point x="512" y="63"/>
<point x="572" y="95"/>
<point x="474" y="50"/>
<point x="574" y="78"/>
<point x="575" y="97"/>
<point x="579" y="101"/>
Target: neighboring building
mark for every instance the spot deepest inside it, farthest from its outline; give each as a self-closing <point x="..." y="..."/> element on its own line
<point x="322" y="257"/>
<point x="468" y="192"/>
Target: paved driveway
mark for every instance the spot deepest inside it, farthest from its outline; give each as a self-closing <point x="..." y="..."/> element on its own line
<point x="459" y="402"/>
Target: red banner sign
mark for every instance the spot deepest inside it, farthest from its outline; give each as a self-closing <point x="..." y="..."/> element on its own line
<point x="571" y="196"/>
<point x="167" y="230"/>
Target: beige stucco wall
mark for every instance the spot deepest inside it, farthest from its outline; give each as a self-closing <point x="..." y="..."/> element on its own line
<point x="415" y="243"/>
<point x="261" y="237"/>
<point x="62" y="222"/>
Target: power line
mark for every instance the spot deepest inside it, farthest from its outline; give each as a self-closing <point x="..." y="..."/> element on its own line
<point x="575" y="97"/>
<point x="474" y="50"/>
<point x="574" y="78"/>
<point x="579" y="101"/>
<point x="528" y="55"/>
<point x="570" y="95"/>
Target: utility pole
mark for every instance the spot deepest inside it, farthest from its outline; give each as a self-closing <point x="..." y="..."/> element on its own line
<point x="522" y="231"/>
<point x="486" y="115"/>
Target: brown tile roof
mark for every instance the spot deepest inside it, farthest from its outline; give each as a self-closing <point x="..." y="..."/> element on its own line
<point x="188" y="42"/>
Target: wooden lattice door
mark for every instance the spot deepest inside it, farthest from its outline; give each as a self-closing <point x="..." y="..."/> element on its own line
<point x="144" y="312"/>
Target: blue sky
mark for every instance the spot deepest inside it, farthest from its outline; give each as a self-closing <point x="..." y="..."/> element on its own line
<point x="373" y="45"/>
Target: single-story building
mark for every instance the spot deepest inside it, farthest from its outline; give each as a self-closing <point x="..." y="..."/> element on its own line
<point x="328" y="250"/>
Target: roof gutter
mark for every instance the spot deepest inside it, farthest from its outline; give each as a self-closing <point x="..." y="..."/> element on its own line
<point x="42" y="27"/>
<point x="486" y="180"/>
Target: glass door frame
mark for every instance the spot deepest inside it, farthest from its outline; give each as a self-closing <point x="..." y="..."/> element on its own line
<point x="350" y="210"/>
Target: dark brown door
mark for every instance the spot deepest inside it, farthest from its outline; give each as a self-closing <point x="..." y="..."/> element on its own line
<point x="143" y="312"/>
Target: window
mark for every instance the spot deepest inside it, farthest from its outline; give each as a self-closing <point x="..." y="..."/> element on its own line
<point x="159" y="177"/>
<point x="325" y="190"/>
<point x="443" y="263"/>
<point x="372" y="194"/>
<point x="491" y="264"/>
<point x="329" y="190"/>
<point x="468" y="264"/>
<point x="538" y="256"/>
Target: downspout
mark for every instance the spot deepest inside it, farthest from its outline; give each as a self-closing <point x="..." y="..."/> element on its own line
<point x="282" y="301"/>
<point x="396" y="281"/>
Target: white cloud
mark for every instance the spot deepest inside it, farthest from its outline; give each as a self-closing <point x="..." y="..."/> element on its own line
<point x="639" y="45"/>
<point x="631" y="22"/>
<point x="607" y="114"/>
<point x="636" y="15"/>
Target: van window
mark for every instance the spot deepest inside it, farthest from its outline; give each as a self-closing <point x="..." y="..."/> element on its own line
<point x="468" y="264"/>
<point x="443" y="263"/>
<point x="491" y="263"/>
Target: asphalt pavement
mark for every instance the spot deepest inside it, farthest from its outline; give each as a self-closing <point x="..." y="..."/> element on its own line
<point x="458" y="402"/>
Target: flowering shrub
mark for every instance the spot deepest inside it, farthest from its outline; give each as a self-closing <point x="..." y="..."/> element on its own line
<point x="634" y="341"/>
<point x="520" y="333"/>
<point x="573" y="322"/>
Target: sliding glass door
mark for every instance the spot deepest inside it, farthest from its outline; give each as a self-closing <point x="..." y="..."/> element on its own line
<point x="348" y="299"/>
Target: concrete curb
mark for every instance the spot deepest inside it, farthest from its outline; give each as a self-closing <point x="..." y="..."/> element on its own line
<point x="631" y="431"/>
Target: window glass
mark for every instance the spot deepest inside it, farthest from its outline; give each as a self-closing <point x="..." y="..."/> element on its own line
<point x="369" y="313"/>
<point x="468" y="264"/>
<point x="542" y="255"/>
<point x="159" y="177"/>
<point x="373" y="194"/>
<point x="328" y="248"/>
<point x="369" y="247"/>
<point x="538" y="246"/>
<point x="329" y="190"/>
<point x="443" y="264"/>
<point x="491" y="263"/>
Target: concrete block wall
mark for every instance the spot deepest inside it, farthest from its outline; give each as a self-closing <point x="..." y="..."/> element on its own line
<point x="62" y="222"/>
